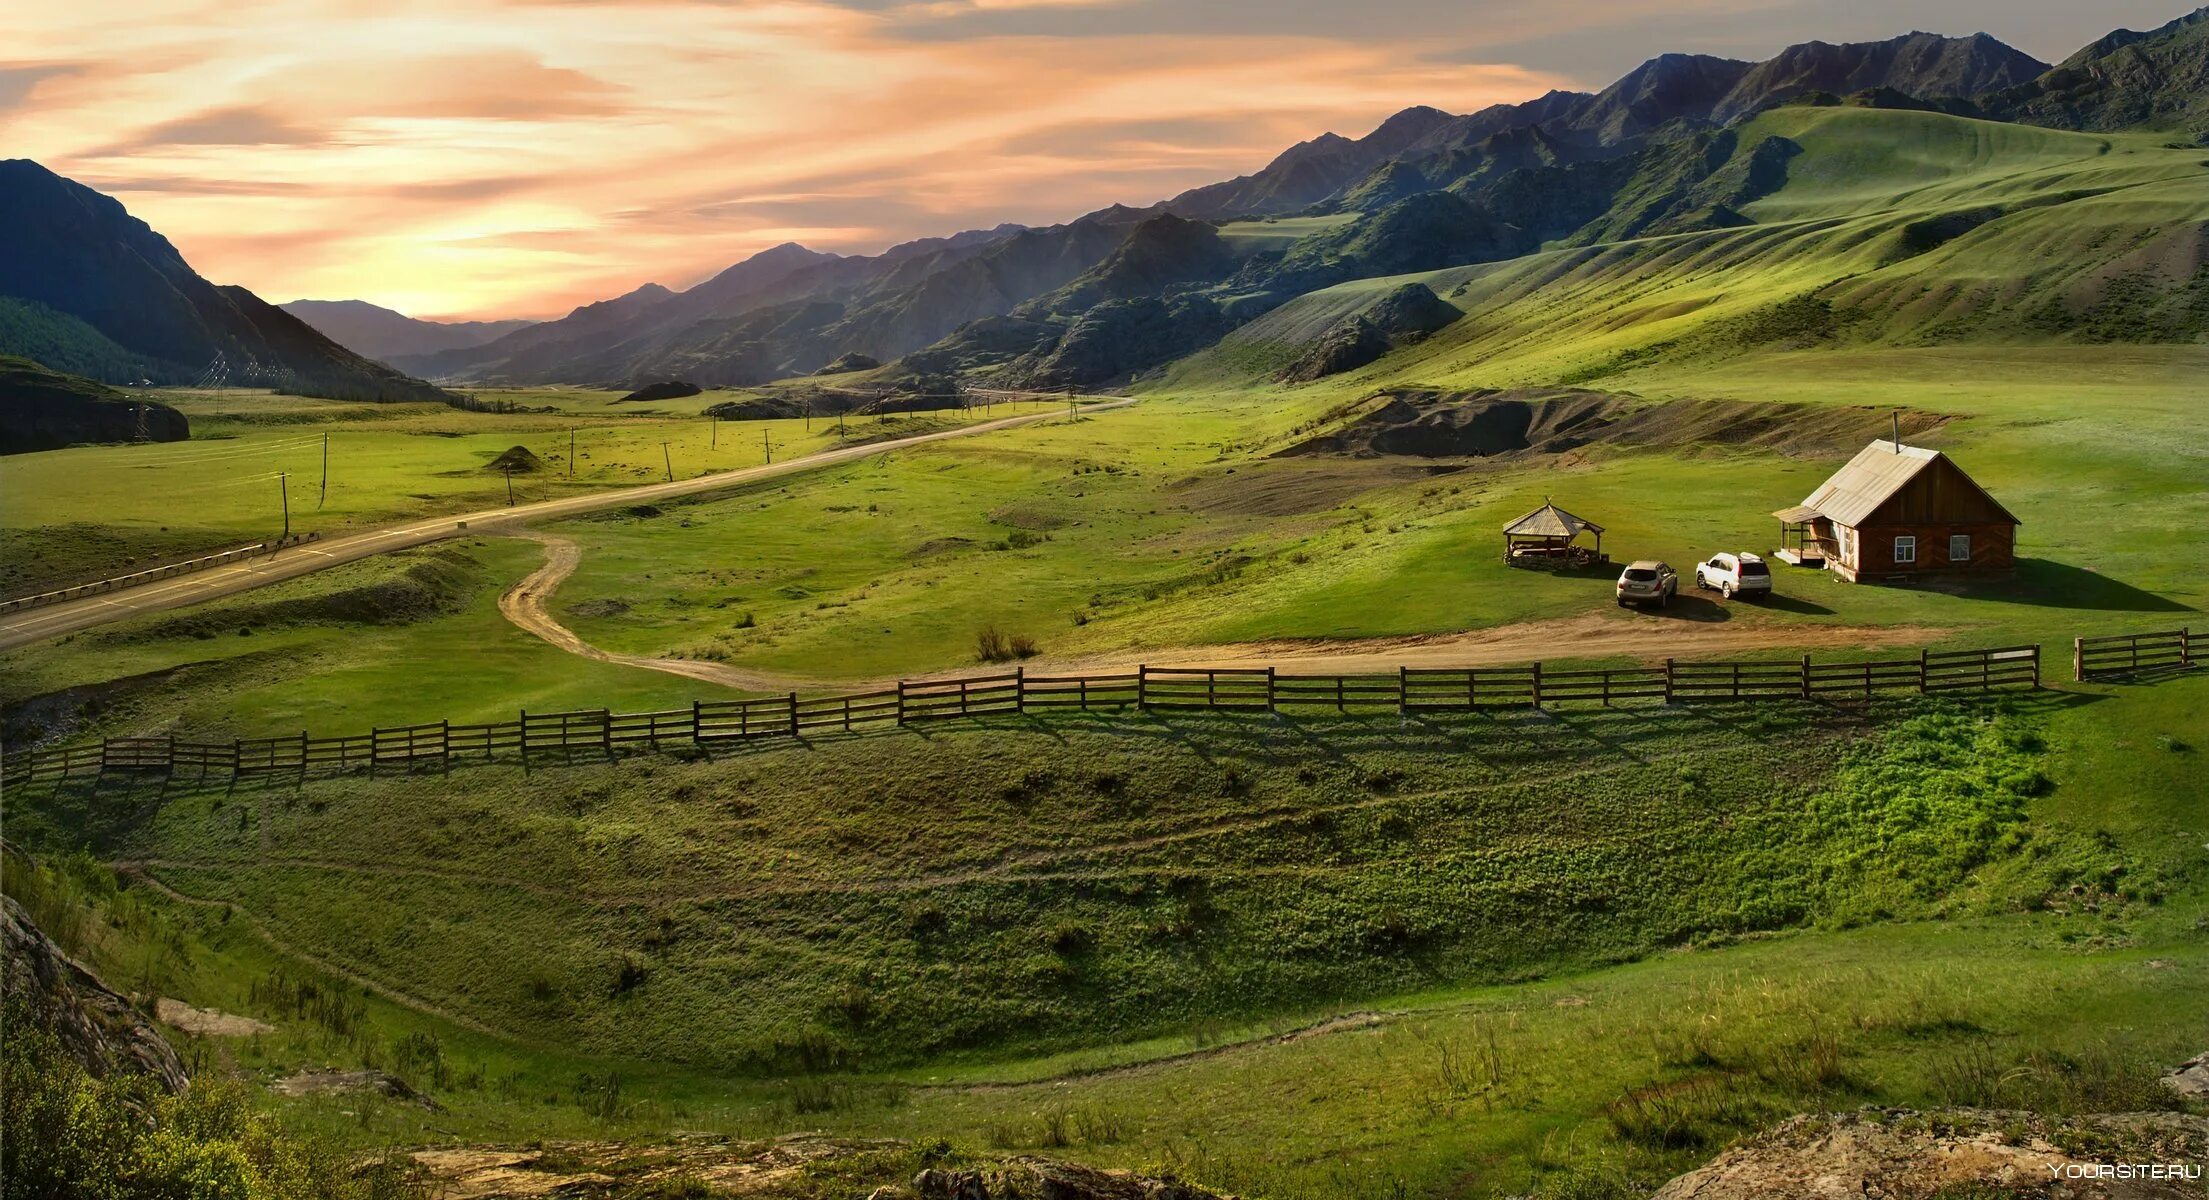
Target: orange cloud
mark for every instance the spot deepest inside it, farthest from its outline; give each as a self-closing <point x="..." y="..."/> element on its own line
<point x="504" y="157"/>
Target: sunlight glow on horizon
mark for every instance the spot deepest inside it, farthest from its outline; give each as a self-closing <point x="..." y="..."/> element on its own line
<point x="519" y="157"/>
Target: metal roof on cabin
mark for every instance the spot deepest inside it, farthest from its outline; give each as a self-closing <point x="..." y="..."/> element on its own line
<point x="1551" y="521"/>
<point x="1797" y="515"/>
<point x="1877" y="472"/>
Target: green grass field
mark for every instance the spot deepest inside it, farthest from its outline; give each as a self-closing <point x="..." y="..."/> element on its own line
<point x="1565" y="954"/>
<point x="92" y="511"/>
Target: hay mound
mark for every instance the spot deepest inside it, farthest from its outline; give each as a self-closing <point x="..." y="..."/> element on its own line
<point x="516" y="459"/>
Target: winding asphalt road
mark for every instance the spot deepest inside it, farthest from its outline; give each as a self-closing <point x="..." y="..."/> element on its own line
<point x="38" y="624"/>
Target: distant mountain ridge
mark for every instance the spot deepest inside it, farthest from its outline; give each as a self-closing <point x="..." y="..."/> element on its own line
<point x="381" y="333"/>
<point x="91" y="283"/>
<point x="1123" y="289"/>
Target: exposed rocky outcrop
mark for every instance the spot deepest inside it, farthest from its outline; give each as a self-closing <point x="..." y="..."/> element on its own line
<point x="46" y="410"/>
<point x="95" y="1025"/>
<point x="1904" y="1155"/>
<point x="2158" y="79"/>
<point x="1488" y="422"/>
<point x="844" y="364"/>
<point x="666" y="389"/>
<point x="1405" y="315"/>
<point x="1347" y="345"/>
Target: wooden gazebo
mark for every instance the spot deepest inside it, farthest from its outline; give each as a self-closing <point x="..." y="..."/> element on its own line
<point x="1548" y="536"/>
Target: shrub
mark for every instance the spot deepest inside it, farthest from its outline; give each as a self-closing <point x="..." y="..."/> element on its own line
<point x="67" y="1133"/>
<point x="994" y="645"/>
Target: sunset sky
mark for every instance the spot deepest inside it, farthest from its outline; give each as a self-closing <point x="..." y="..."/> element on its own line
<point x="519" y="157"/>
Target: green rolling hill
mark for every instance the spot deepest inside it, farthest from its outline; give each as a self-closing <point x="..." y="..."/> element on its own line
<point x="1897" y="228"/>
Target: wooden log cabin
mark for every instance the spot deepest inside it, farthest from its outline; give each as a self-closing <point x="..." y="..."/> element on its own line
<point x="1898" y="512"/>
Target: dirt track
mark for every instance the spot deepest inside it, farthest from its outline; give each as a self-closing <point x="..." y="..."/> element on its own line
<point x="1644" y="636"/>
<point x="38" y="624"/>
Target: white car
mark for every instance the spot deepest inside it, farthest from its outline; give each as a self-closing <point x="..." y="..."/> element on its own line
<point x="1731" y="575"/>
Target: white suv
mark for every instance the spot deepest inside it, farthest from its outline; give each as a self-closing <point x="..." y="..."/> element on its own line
<point x="1732" y="574"/>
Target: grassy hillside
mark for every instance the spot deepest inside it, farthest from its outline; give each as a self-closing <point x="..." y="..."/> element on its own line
<point x="1158" y="898"/>
<point x="1893" y="228"/>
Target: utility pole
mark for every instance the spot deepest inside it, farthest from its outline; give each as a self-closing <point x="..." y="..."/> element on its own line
<point x="713" y="440"/>
<point x="325" y="493"/>
<point x="669" y="460"/>
<point x="766" y="447"/>
<point x="571" y="453"/>
<point x="807" y="405"/>
<point x="839" y="424"/>
<point x="283" y="487"/>
<point x="509" y="469"/>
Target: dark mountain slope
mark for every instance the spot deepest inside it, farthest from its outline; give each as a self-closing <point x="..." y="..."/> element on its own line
<point x="377" y="332"/>
<point x="77" y="252"/>
<point x="2155" y="80"/>
<point x="1921" y="65"/>
<point x="46" y="410"/>
<point x="1309" y="172"/>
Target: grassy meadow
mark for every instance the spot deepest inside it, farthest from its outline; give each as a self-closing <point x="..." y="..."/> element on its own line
<point x="1098" y="937"/>
<point x="92" y="511"/>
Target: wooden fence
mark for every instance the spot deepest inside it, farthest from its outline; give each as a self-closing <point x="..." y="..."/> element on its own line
<point x="706" y="723"/>
<point x="150" y="574"/>
<point x="2127" y="654"/>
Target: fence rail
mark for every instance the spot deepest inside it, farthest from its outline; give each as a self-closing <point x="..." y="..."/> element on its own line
<point x="2120" y="655"/>
<point x="707" y="723"/>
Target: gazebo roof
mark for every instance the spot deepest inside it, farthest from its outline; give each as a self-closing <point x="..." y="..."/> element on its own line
<point x="1550" y="521"/>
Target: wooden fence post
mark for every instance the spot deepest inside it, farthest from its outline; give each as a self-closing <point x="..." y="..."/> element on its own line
<point x="1925" y="671"/>
<point x="606" y="730"/>
<point x="1806" y="677"/>
<point x="1537" y="683"/>
<point x="445" y="740"/>
<point x="2036" y="666"/>
<point x="794" y="711"/>
<point x="901" y="702"/>
<point x="2078" y="659"/>
<point x="697" y="712"/>
<point x="1020" y="689"/>
<point x="521" y="736"/>
<point x="1668" y="681"/>
<point x="1269" y="691"/>
<point x="1403" y="694"/>
<point x="1142" y="687"/>
<point x="2185" y="646"/>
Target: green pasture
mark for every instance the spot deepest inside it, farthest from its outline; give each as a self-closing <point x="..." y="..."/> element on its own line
<point x="90" y="511"/>
<point x="1983" y="904"/>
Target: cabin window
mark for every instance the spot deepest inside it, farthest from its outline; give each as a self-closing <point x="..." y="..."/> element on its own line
<point x="1959" y="547"/>
<point x="1906" y="550"/>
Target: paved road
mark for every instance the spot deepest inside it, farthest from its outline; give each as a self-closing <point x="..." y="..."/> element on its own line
<point x="38" y="624"/>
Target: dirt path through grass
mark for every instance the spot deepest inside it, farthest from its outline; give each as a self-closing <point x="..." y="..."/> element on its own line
<point x="1647" y="637"/>
<point x="54" y="620"/>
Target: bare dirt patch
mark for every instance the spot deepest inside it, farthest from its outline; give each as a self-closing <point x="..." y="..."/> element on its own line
<point x="354" y="1083"/>
<point x="1487" y="423"/>
<point x="1592" y="636"/>
<point x="1956" y="1152"/>
<point x="1286" y="487"/>
<point x="206" y="1022"/>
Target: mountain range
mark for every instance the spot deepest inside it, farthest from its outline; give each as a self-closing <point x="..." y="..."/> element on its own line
<point x="380" y="333"/>
<point x="1122" y="290"/>
<point x="87" y="289"/>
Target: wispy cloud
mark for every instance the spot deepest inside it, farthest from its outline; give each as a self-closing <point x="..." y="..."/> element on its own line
<point x="521" y="156"/>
